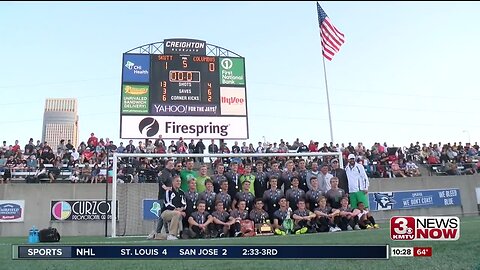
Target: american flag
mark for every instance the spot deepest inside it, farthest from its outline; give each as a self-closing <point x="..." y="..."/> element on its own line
<point x="332" y="38"/>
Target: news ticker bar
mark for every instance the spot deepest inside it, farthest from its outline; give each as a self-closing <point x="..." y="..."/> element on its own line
<point x="66" y="252"/>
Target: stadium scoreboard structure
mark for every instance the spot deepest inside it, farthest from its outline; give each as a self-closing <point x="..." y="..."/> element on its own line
<point x="183" y="88"/>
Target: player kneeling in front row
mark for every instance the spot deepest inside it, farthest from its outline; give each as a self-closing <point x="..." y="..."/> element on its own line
<point x="348" y="221"/>
<point x="242" y="226"/>
<point x="260" y="218"/>
<point x="304" y="219"/>
<point x="365" y="219"/>
<point x="282" y="220"/>
<point x="224" y="222"/>
<point x="327" y="218"/>
<point x="200" y="223"/>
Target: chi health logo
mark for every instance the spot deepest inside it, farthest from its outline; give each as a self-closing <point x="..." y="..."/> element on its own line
<point x="61" y="210"/>
<point x="148" y="126"/>
<point x="155" y="209"/>
<point x="129" y="65"/>
<point x="226" y="63"/>
<point x="136" y="69"/>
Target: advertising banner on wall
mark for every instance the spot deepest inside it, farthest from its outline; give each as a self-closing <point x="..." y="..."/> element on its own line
<point x="12" y="210"/>
<point x="394" y="200"/>
<point x="151" y="209"/>
<point x="81" y="210"/>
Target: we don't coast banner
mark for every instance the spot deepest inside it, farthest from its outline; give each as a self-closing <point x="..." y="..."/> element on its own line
<point x="393" y="200"/>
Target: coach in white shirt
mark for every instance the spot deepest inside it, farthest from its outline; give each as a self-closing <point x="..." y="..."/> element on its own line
<point x="357" y="182"/>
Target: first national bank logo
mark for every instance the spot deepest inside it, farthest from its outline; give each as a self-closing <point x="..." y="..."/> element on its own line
<point x="405" y="228"/>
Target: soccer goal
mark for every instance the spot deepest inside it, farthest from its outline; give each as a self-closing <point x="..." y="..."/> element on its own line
<point x="136" y="200"/>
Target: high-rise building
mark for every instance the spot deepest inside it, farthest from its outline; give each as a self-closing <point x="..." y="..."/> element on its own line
<point x="60" y="121"/>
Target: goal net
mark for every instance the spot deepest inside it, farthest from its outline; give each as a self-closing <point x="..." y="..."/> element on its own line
<point x="135" y="187"/>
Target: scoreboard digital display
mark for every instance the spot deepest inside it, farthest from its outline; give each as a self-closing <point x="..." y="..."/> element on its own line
<point x="183" y="93"/>
<point x="190" y="79"/>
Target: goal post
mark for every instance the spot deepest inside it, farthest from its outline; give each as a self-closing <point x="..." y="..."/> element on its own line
<point x="117" y="156"/>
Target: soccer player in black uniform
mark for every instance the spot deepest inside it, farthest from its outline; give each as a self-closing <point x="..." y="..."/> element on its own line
<point x="302" y="175"/>
<point x="347" y="219"/>
<point x="175" y="205"/>
<point x="294" y="194"/>
<point x="224" y="196"/>
<point x="245" y="195"/>
<point x="259" y="215"/>
<point x="335" y="194"/>
<point x="208" y="196"/>
<point x="239" y="214"/>
<point x="261" y="180"/>
<point x="304" y="219"/>
<point x="282" y="219"/>
<point x="275" y="171"/>
<point x="286" y="180"/>
<point x="222" y="220"/>
<point x="327" y="219"/>
<point x="311" y="198"/>
<point x="200" y="222"/>
<point x="219" y="177"/>
<point x="233" y="178"/>
<point x="272" y="197"/>
<point x="192" y="199"/>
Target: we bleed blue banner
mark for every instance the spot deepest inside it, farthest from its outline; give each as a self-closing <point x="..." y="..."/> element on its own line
<point x="393" y="200"/>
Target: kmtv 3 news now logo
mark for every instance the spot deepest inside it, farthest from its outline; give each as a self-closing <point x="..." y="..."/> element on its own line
<point x="424" y="228"/>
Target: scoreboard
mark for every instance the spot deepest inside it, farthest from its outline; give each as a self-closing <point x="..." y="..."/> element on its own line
<point x="186" y="79"/>
<point x="183" y="93"/>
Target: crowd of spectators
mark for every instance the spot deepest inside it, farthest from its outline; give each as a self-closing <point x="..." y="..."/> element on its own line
<point x="88" y="161"/>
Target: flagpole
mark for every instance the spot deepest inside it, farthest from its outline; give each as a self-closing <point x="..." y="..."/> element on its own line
<point x="328" y="100"/>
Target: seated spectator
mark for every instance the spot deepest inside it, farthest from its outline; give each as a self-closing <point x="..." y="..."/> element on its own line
<point x="396" y="170"/>
<point x="41" y="172"/>
<point x="432" y="159"/>
<point x="76" y="172"/>
<point x="451" y="168"/>
<point x="468" y="166"/>
<point x="86" y="174"/>
<point x="411" y="169"/>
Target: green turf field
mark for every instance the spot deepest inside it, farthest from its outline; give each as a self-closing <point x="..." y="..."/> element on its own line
<point x="451" y="255"/>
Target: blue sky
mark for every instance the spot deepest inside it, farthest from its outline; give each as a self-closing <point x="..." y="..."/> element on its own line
<point x="407" y="71"/>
